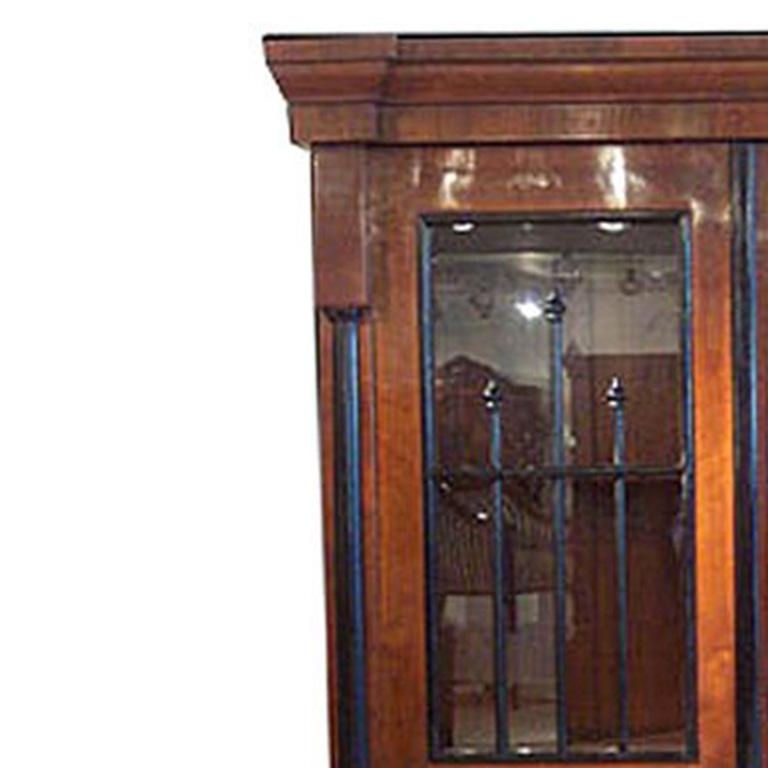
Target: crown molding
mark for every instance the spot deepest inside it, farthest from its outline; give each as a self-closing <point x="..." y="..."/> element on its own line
<point x="402" y="89"/>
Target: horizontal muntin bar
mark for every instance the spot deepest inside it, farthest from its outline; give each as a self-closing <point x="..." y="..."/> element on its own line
<point x="512" y="757"/>
<point x="546" y="471"/>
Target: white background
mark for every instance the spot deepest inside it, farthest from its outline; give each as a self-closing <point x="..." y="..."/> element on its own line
<point x="160" y="569"/>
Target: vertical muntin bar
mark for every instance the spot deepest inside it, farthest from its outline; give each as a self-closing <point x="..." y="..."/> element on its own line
<point x="492" y="398"/>
<point x="688" y="497"/>
<point x="554" y="309"/>
<point x="435" y="713"/>
<point x="616" y="398"/>
<point x="348" y="539"/>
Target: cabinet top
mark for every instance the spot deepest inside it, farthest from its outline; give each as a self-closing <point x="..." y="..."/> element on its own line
<point x="404" y="89"/>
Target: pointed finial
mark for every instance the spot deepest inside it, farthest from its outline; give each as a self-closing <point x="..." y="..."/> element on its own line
<point x="554" y="307"/>
<point x="492" y="395"/>
<point x="615" y="395"/>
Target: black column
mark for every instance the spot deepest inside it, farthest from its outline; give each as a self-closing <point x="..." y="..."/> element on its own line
<point x="348" y="541"/>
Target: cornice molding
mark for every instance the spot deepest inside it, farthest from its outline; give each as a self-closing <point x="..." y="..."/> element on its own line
<point x="364" y="89"/>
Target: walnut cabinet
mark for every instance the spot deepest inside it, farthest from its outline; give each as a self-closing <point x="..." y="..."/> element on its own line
<point x="540" y="281"/>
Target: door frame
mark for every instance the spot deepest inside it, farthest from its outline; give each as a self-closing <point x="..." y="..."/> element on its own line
<point x="676" y="179"/>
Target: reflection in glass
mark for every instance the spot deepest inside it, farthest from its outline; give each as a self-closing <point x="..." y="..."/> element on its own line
<point x="487" y="322"/>
<point x="656" y="658"/>
<point x="464" y="606"/>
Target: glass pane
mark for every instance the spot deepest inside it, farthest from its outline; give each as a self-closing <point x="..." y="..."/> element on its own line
<point x="657" y="632"/>
<point x="463" y="603"/>
<point x="465" y="609"/>
<point x="622" y="287"/>
<point x="584" y="590"/>
<point x="656" y="598"/>
<point x="623" y="318"/>
<point x="533" y="694"/>
<point x="476" y="342"/>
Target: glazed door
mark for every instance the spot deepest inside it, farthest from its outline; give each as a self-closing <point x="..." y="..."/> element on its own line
<point x="549" y="524"/>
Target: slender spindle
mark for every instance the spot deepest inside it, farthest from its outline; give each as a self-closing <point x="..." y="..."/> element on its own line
<point x="687" y="497"/>
<point x="616" y="398"/>
<point x="492" y="398"/>
<point x="554" y="309"/>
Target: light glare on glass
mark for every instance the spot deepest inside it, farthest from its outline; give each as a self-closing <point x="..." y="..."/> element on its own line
<point x="529" y="309"/>
<point x="612" y="227"/>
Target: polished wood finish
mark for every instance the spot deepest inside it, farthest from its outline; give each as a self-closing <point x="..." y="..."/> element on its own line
<point x="324" y="332"/>
<point x="502" y="123"/>
<point x="470" y="82"/>
<point x="342" y="276"/>
<point x="535" y="123"/>
<point x="408" y="183"/>
<point x="333" y="123"/>
<point x="541" y="48"/>
<point x="323" y="48"/>
<point x="410" y="89"/>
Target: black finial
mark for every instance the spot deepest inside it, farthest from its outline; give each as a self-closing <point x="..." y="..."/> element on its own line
<point x="492" y="395"/>
<point x="554" y="307"/>
<point x="615" y="395"/>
